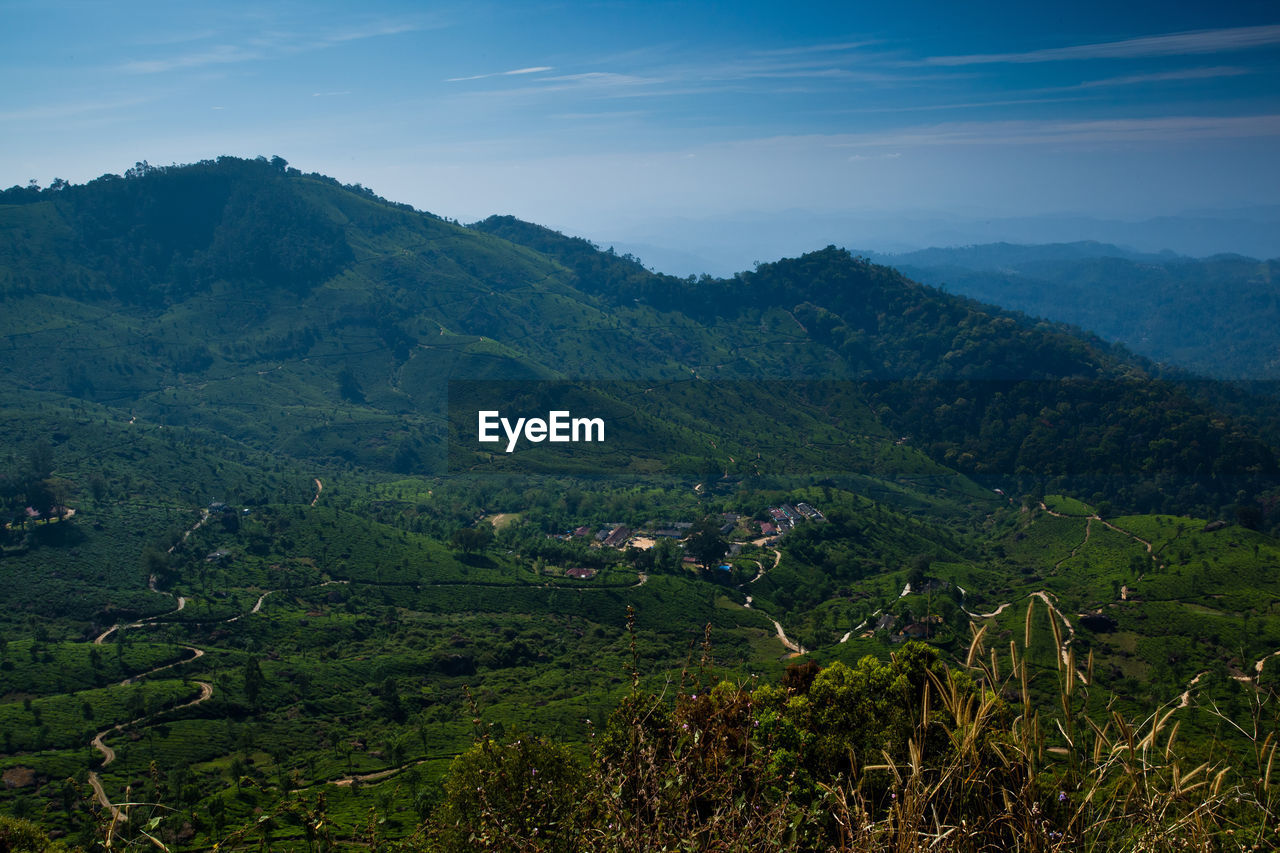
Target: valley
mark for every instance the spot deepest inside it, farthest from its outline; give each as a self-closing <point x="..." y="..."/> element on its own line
<point x="294" y="588"/>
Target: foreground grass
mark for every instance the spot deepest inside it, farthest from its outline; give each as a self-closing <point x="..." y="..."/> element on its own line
<point x="900" y="755"/>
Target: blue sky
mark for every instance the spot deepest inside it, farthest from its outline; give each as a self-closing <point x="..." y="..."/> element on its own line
<point x="597" y="116"/>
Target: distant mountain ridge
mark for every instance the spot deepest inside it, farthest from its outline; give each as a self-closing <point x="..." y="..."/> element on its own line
<point x="723" y="245"/>
<point x="1002" y="254"/>
<point x="1217" y="316"/>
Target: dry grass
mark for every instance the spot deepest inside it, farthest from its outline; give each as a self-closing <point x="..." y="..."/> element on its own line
<point x="975" y="773"/>
<point x="728" y="767"/>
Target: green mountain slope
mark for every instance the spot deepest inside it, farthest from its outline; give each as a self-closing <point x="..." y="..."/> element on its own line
<point x="1215" y="316"/>
<point x="257" y="390"/>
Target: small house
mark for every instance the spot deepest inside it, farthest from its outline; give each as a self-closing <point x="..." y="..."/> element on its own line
<point x="618" y="537"/>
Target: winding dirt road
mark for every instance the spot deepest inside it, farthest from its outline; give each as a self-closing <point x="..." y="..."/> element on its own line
<point x="109" y="754"/>
<point x="204" y="516"/>
<point x="1151" y="552"/>
<point x="195" y="653"/>
<point x="1088" y="527"/>
<point x="257" y="607"/>
<point x="206" y="689"/>
<point x="796" y="648"/>
<point x="995" y="612"/>
<point x="1065" y="650"/>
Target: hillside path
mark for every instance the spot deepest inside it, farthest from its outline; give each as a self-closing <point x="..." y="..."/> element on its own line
<point x="109" y="754"/>
<point x="796" y="648"/>
<point x="204" y="516"/>
<point x="1065" y="649"/>
<point x="1135" y="537"/>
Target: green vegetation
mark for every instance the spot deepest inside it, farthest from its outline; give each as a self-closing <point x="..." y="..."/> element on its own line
<point x="302" y="608"/>
<point x="1209" y="315"/>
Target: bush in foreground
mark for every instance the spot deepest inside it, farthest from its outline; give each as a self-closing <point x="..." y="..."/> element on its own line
<point x="903" y="755"/>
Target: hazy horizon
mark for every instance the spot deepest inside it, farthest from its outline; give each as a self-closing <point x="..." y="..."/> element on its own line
<point x="609" y="120"/>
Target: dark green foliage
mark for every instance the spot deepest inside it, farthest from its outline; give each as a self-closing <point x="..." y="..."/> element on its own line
<point x="243" y="398"/>
<point x="734" y="767"/>
<point x="858" y="714"/>
<point x="22" y="836"/>
<point x="468" y="540"/>
<point x="706" y="544"/>
<point x="511" y="793"/>
<point x="1215" y="316"/>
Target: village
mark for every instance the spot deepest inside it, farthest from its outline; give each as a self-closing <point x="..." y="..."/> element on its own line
<point x="765" y="529"/>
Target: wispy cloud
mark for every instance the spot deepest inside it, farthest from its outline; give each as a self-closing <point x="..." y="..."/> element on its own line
<point x="71" y="110"/>
<point x="265" y="46"/>
<point x="757" y="69"/>
<point x="1171" y="44"/>
<point x="893" y="155"/>
<point x="837" y="47"/>
<point x="961" y="105"/>
<point x="1059" y="94"/>
<point x="1161" y="77"/>
<point x="368" y="31"/>
<point x="1164" y="129"/>
<point x="515" y="72"/>
<point x="708" y="77"/>
<point x="330" y="94"/>
<point x="586" y="83"/>
<point x="220" y="55"/>
<point x="603" y="115"/>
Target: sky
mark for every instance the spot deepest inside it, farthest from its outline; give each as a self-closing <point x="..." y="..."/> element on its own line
<point x="612" y="118"/>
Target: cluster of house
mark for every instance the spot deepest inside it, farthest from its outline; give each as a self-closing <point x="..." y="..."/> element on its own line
<point x="617" y="535"/>
<point x="218" y="508"/>
<point x="31" y="514"/>
<point x="221" y="555"/>
<point x="785" y="517"/>
<point x="921" y="630"/>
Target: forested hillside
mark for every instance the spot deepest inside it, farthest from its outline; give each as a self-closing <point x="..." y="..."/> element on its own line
<point x="257" y="568"/>
<point x="1214" y="316"/>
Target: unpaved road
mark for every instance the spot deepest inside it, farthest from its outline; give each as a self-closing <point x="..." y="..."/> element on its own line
<point x="796" y="648"/>
<point x="109" y="754"/>
<point x="204" y="516"/>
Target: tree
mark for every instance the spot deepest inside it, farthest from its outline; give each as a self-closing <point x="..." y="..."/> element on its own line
<point x="705" y="544"/>
<point x="238" y="769"/>
<point x="98" y="486"/>
<point x="468" y="540"/>
<point x="155" y="564"/>
<point x="349" y="387"/>
<point x="666" y="556"/>
<point x="1249" y="515"/>
<point x="253" y="680"/>
<point x="389" y="699"/>
<point x="522" y="793"/>
<point x="918" y="573"/>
